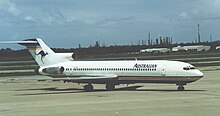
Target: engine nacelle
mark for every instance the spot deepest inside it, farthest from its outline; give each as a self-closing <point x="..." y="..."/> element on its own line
<point x="53" y="70"/>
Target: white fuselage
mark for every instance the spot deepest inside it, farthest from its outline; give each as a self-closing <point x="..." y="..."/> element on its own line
<point x="153" y="71"/>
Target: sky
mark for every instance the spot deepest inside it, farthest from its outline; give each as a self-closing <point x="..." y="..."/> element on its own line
<point x="68" y="23"/>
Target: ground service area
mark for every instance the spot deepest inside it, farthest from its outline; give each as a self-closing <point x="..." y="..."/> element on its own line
<point x="32" y="98"/>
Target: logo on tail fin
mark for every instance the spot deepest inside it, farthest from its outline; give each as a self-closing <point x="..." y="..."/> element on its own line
<point x="42" y="54"/>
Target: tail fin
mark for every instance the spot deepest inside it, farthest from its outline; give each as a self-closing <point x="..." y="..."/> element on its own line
<point x="40" y="51"/>
<point x="42" y="54"/>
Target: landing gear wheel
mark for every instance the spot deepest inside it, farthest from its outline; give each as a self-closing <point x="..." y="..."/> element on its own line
<point x="110" y="87"/>
<point x="180" y="88"/>
<point x="88" y="87"/>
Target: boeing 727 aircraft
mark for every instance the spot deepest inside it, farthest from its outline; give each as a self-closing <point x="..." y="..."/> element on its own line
<point x="61" y="66"/>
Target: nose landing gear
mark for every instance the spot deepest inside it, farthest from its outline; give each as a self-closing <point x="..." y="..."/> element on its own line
<point x="181" y="87"/>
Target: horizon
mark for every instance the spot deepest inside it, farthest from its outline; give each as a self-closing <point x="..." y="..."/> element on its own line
<point x="107" y="46"/>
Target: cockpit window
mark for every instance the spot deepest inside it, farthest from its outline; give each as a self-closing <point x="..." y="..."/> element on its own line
<point x="185" y="68"/>
<point x="189" y="68"/>
<point x="192" y="68"/>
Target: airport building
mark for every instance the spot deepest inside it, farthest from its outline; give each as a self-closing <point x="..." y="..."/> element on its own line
<point x="191" y="48"/>
<point x="218" y="48"/>
<point x="155" y="50"/>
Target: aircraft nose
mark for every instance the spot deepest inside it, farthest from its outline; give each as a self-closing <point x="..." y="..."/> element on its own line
<point x="199" y="73"/>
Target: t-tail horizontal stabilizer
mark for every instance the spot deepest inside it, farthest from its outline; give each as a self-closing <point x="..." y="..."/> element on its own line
<point x="43" y="55"/>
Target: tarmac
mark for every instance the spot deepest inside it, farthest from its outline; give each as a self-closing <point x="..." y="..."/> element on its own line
<point x="32" y="98"/>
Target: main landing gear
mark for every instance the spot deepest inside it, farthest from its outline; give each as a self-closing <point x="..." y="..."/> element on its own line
<point x="88" y="87"/>
<point x="180" y="88"/>
<point x="110" y="87"/>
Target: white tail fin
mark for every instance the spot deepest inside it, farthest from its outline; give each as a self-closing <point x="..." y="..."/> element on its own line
<point x="43" y="55"/>
<point x="40" y="51"/>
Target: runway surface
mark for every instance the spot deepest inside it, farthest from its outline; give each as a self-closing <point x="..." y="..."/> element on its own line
<point x="31" y="98"/>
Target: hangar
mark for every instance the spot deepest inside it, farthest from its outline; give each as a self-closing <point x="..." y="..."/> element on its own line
<point x="191" y="48"/>
<point x="155" y="50"/>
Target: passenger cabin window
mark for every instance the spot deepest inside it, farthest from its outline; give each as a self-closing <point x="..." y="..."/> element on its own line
<point x="119" y="69"/>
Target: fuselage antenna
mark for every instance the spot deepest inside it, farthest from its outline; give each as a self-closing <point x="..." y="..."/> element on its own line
<point x="136" y="59"/>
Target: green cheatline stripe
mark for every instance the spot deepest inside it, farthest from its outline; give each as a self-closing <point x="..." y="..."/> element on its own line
<point x="17" y="64"/>
<point x="19" y="67"/>
<point x="206" y="64"/>
<point x="154" y="56"/>
<point x="17" y="74"/>
<point x="183" y="60"/>
<point x="200" y="60"/>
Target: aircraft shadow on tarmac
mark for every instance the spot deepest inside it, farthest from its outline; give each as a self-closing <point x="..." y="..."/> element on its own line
<point x="55" y="90"/>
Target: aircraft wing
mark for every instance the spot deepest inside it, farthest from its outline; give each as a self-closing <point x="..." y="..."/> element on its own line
<point x="92" y="77"/>
<point x="86" y="78"/>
